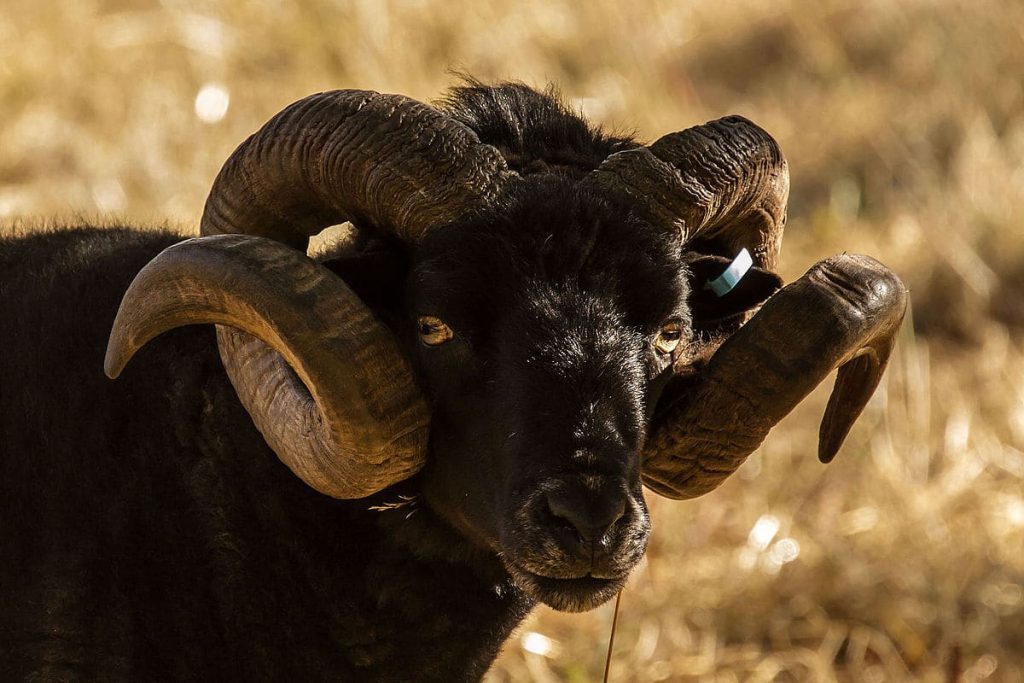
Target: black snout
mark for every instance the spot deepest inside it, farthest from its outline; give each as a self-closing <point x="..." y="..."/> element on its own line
<point x="589" y="518"/>
<point x="576" y="538"/>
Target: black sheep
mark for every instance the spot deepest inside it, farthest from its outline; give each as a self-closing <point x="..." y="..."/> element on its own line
<point x="541" y="343"/>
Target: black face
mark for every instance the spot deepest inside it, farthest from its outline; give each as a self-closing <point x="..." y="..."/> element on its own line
<point x="542" y="337"/>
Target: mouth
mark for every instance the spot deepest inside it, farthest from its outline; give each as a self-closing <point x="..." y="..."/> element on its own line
<point x="575" y="594"/>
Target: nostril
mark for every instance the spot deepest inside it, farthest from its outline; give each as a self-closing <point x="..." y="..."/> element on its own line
<point x="590" y="519"/>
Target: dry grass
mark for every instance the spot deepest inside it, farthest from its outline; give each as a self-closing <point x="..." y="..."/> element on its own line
<point x="904" y="125"/>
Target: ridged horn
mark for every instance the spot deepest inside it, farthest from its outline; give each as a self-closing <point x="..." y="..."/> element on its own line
<point x="381" y="161"/>
<point x="341" y="408"/>
<point x="322" y="379"/>
<point x="721" y="187"/>
<point x="843" y="313"/>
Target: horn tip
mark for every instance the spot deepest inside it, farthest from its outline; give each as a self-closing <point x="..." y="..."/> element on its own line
<point x="114" y="361"/>
<point x="110" y="369"/>
<point x="832" y="434"/>
<point x="827" y="452"/>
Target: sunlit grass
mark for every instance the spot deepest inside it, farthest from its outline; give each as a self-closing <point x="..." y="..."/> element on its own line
<point x="904" y="126"/>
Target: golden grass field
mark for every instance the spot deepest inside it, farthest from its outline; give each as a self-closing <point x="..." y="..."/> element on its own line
<point x="903" y="122"/>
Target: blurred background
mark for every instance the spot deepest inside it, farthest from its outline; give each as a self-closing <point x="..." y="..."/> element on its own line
<point x="903" y="122"/>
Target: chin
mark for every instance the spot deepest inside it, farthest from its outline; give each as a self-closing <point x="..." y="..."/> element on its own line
<point x="568" y="594"/>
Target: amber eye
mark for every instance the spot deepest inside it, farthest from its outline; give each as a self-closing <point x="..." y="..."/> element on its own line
<point x="669" y="336"/>
<point x="433" y="331"/>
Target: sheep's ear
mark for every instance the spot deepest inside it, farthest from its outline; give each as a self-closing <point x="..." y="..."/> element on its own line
<point x="712" y="311"/>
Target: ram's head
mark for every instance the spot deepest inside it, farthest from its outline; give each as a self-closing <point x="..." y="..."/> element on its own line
<point x="553" y="344"/>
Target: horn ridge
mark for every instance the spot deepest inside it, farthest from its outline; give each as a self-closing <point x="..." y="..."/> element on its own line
<point x="843" y="313"/>
<point x="721" y="186"/>
<point x="383" y="162"/>
<point x="324" y="381"/>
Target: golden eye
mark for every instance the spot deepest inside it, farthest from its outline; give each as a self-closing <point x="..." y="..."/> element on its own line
<point x="433" y="331"/>
<point x="668" y="337"/>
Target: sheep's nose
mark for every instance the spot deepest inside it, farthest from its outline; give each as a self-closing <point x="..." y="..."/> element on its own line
<point x="591" y="518"/>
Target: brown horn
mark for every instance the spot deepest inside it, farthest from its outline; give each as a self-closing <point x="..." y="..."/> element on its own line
<point x="346" y="429"/>
<point x="381" y="161"/>
<point x="324" y="381"/>
<point x="721" y="186"/>
<point x="385" y="162"/>
<point x="844" y="312"/>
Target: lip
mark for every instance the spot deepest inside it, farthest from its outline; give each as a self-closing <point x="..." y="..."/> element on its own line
<point x="575" y="594"/>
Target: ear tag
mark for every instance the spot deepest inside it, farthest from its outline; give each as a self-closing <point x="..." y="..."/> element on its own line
<point x="724" y="283"/>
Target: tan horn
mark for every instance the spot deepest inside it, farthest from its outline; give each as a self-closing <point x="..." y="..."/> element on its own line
<point x="323" y="380"/>
<point x="843" y="313"/>
<point x="345" y="428"/>
<point x="721" y="186"/>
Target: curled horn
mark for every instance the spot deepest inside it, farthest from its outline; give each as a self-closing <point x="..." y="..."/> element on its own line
<point x="343" y="428"/>
<point x="843" y="313"/>
<point x="721" y="187"/>
<point x="381" y="161"/>
<point x="323" y="380"/>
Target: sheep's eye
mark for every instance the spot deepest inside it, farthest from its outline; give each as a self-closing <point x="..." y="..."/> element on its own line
<point x="433" y="331"/>
<point x="668" y="338"/>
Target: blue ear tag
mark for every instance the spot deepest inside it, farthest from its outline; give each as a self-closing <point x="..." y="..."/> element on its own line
<point x="724" y="283"/>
